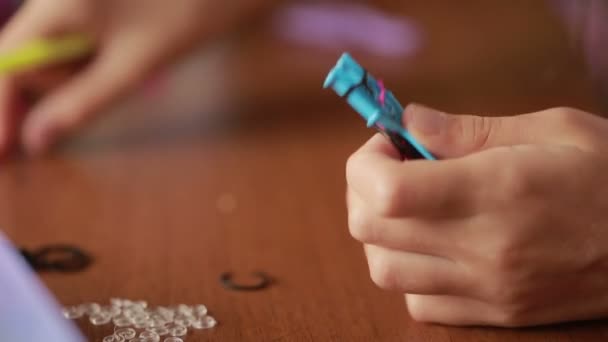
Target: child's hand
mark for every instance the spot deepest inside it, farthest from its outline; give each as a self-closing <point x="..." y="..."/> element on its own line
<point x="132" y="38"/>
<point x="510" y="229"/>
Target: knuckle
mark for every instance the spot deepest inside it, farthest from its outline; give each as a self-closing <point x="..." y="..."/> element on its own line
<point x="507" y="258"/>
<point x="418" y="309"/>
<point x="476" y="130"/>
<point x="388" y="195"/>
<point x="569" y="117"/>
<point x="360" y="226"/>
<point x="482" y="130"/>
<point x="501" y="291"/>
<point x="578" y="125"/>
<point x="384" y="185"/>
<point x="382" y="272"/>
<point x="506" y="283"/>
<point x="513" y="182"/>
<point x="512" y="315"/>
<point x="359" y="168"/>
<point x="352" y="166"/>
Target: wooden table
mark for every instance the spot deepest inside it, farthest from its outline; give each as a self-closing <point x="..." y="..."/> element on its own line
<point x="167" y="198"/>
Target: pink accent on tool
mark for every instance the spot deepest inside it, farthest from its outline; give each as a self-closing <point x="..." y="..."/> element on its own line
<point x="382" y="95"/>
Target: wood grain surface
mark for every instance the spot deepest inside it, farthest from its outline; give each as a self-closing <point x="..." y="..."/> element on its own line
<point x="238" y="165"/>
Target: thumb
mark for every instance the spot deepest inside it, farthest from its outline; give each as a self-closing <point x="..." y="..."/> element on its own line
<point x="455" y="135"/>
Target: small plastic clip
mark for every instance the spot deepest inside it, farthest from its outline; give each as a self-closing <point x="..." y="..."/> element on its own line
<point x="263" y="282"/>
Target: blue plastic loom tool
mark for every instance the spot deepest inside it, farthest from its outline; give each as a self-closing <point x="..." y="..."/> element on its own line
<point x="362" y="92"/>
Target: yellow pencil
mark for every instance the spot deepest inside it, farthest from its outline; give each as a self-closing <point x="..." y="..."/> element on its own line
<point x="45" y="52"/>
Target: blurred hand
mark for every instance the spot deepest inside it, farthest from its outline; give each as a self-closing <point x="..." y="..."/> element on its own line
<point x="510" y="228"/>
<point x="132" y="37"/>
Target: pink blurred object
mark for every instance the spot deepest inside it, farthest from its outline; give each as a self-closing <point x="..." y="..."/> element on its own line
<point x="348" y="26"/>
<point x="587" y="23"/>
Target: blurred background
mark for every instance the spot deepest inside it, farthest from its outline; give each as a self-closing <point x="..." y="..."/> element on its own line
<point x="488" y="58"/>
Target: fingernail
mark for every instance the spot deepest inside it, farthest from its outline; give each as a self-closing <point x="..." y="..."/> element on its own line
<point x="423" y="119"/>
